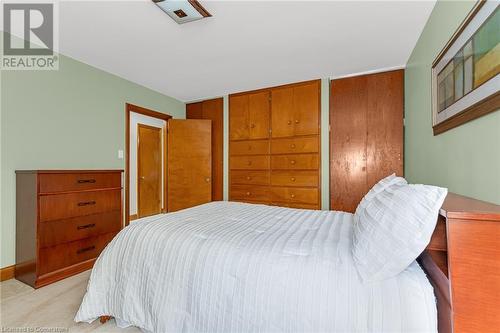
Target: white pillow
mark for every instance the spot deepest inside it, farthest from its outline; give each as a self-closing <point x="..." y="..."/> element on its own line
<point x="394" y="228"/>
<point x="377" y="188"/>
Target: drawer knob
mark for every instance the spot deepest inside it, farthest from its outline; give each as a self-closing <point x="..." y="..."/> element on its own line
<point x="292" y="162"/>
<point x="289" y="122"/>
<point x="248" y="193"/>
<point x="85" y="249"/>
<point x="292" y="179"/>
<point x="292" y="146"/>
<point x="296" y="121"/>
<point x="292" y="195"/>
<point x="86" y="203"/>
<point x="248" y="177"/>
<point x="249" y="147"/>
<point x="207" y="179"/>
<point x="85" y="226"/>
<point x="83" y="181"/>
<point x="249" y="163"/>
<point x="252" y="125"/>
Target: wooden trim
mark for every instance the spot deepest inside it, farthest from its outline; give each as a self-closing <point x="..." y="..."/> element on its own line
<point x="276" y="87"/>
<point x="199" y="8"/>
<point x="162" y="206"/>
<point x="460" y="29"/>
<point x="133" y="217"/>
<point x="7" y="273"/>
<point x="67" y="171"/>
<point x="151" y="113"/>
<point x="481" y="108"/>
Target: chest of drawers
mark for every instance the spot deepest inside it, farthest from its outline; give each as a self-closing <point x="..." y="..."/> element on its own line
<point x="64" y="219"/>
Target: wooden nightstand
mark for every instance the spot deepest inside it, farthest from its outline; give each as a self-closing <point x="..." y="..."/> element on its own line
<point x="466" y="247"/>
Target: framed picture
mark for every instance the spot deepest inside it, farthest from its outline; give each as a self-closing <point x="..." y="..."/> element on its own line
<point x="465" y="74"/>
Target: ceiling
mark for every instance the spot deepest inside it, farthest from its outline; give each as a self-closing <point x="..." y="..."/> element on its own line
<point x="245" y="45"/>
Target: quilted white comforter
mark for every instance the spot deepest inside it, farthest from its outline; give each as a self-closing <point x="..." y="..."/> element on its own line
<point x="234" y="267"/>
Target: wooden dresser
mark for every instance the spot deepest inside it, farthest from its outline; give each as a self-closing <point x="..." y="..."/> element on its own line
<point x="466" y="248"/>
<point x="274" y="145"/>
<point x="64" y="219"/>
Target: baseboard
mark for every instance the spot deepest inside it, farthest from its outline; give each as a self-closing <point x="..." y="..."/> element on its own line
<point x="7" y="273"/>
<point x="132" y="217"/>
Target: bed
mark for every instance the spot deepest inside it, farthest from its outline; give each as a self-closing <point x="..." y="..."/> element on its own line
<point x="236" y="267"/>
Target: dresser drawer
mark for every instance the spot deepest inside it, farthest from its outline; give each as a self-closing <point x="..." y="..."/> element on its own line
<point x="63" y="206"/>
<point x="295" y="195"/>
<point x="303" y="161"/>
<point x="64" y="182"/>
<point x="251" y="147"/>
<point x="63" y="231"/>
<point x="250" y="177"/>
<point x="249" y="162"/>
<point x="247" y="192"/>
<point x="64" y="255"/>
<point x="295" y="205"/>
<point x="295" y="178"/>
<point x="294" y="145"/>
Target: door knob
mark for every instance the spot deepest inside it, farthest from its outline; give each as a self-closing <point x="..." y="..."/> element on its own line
<point x="142" y="177"/>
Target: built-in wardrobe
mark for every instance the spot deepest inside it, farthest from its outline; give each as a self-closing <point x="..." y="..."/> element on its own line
<point x="366" y="134"/>
<point x="274" y="148"/>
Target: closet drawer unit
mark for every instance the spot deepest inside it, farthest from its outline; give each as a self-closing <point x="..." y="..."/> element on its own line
<point x="295" y="162"/>
<point x="295" y="145"/>
<point x="249" y="162"/>
<point x="64" y="255"/>
<point x="250" y="177"/>
<point x="295" y="195"/>
<point x="250" y="147"/>
<point x="66" y="182"/>
<point x="62" y="206"/>
<point x="247" y="192"/>
<point x="62" y="231"/>
<point x="295" y="178"/>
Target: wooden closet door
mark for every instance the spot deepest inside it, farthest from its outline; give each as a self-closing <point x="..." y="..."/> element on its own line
<point x="283" y="115"/>
<point x="189" y="161"/>
<point x="384" y="148"/>
<point x="348" y="126"/>
<point x="258" y="115"/>
<point x="213" y="110"/>
<point x="306" y="106"/>
<point x="238" y="119"/>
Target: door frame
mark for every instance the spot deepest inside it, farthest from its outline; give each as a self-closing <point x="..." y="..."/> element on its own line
<point x="151" y="113"/>
<point x="162" y="151"/>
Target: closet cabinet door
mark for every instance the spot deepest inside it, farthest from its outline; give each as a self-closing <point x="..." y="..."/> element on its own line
<point x="306" y="108"/>
<point x="282" y="120"/>
<point x="258" y="115"/>
<point x="348" y="143"/>
<point x="238" y="118"/>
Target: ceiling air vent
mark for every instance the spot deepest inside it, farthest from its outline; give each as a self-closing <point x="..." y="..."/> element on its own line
<point x="183" y="11"/>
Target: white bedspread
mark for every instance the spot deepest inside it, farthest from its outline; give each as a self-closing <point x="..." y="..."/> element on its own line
<point x="233" y="267"/>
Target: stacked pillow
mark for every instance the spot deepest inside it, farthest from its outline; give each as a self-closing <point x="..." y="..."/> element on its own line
<point x="392" y="225"/>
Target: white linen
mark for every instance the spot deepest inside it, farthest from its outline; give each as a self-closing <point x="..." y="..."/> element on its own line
<point x="394" y="228"/>
<point x="234" y="267"/>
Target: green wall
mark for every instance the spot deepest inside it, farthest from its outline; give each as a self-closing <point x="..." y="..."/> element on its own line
<point x="465" y="159"/>
<point x="72" y="118"/>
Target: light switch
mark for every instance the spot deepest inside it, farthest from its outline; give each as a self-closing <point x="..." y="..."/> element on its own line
<point x="120" y="154"/>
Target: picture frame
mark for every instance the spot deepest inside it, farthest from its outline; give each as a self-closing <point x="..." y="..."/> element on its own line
<point x="466" y="73"/>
